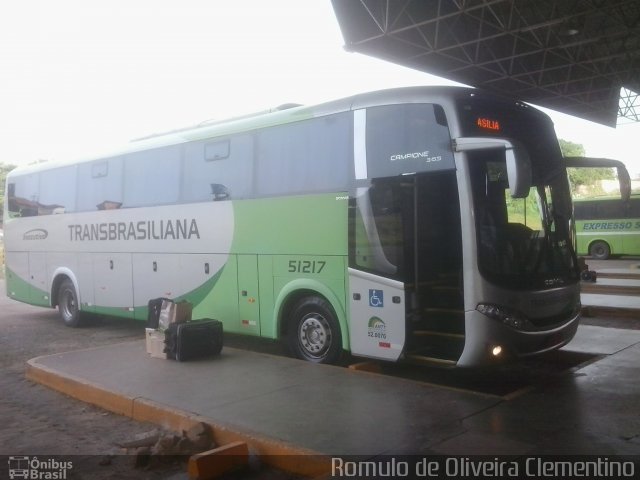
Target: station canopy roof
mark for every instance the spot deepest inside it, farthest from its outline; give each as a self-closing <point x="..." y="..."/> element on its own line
<point x="579" y="57"/>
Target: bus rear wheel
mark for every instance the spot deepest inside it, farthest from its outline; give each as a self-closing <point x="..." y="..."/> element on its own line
<point x="314" y="332"/>
<point x="68" y="307"/>
<point x="600" y="250"/>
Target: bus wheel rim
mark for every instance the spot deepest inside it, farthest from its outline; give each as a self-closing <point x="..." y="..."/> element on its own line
<point x="314" y="335"/>
<point x="68" y="305"/>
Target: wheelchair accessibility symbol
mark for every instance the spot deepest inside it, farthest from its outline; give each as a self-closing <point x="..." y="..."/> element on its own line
<point x="376" y="298"/>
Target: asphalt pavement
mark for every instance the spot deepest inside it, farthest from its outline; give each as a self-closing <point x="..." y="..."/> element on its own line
<point x="38" y="421"/>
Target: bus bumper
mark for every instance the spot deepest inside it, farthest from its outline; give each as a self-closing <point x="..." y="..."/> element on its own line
<point x="484" y="334"/>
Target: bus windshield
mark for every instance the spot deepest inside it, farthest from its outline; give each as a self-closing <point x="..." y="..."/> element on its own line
<point x="525" y="242"/>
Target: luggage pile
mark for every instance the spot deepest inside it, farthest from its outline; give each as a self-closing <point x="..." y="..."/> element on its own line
<point x="173" y="335"/>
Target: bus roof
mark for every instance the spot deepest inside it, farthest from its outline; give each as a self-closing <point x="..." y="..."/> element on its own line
<point x="279" y="116"/>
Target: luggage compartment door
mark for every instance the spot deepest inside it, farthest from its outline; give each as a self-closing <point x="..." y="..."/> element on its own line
<point x="155" y="275"/>
<point x="113" y="283"/>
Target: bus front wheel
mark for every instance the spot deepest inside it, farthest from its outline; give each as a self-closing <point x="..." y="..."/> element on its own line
<point x="68" y="304"/>
<point x="600" y="250"/>
<point x="314" y="332"/>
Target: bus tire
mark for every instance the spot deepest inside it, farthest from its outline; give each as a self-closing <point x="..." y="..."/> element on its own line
<point x="313" y="332"/>
<point x="600" y="250"/>
<point x="68" y="306"/>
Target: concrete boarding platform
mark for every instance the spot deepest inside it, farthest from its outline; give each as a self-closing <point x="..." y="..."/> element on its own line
<point x="613" y="286"/>
<point x="284" y="408"/>
<point x="617" y="282"/>
<point x="603" y="304"/>
<point x="633" y="272"/>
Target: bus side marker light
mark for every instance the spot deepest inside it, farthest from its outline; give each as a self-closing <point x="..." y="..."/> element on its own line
<point x="496" y="351"/>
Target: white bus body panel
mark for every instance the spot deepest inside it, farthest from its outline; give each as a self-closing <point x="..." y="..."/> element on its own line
<point x="38" y="277"/>
<point x="84" y="277"/>
<point x="20" y="266"/>
<point x="170" y="275"/>
<point x="98" y="248"/>
<point x="112" y="280"/>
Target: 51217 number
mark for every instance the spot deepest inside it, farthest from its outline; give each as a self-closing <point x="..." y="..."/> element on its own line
<point x="306" y="266"/>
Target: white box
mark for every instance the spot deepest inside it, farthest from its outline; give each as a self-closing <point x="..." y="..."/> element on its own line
<point x="155" y="343"/>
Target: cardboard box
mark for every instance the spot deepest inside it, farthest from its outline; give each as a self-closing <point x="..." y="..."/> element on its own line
<point x="155" y="343"/>
<point x="174" y="312"/>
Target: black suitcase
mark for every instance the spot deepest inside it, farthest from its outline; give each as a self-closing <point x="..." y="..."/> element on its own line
<point x="153" y="317"/>
<point x="197" y="339"/>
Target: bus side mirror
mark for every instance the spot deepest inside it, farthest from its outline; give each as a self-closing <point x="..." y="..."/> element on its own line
<point x="518" y="171"/>
<point x="518" y="163"/>
<point x="624" y="178"/>
<point x="625" y="183"/>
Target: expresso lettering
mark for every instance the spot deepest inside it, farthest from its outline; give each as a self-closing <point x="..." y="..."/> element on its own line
<point x="611" y="226"/>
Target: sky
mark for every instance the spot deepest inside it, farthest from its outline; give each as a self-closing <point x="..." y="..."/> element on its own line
<point x="78" y="77"/>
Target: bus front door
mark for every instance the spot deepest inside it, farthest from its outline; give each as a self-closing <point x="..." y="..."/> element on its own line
<point x="433" y="269"/>
<point x="406" y="268"/>
<point x="376" y="294"/>
<point x="377" y="315"/>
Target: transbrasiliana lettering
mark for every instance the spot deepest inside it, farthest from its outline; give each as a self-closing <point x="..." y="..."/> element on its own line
<point x="140" y="230"/>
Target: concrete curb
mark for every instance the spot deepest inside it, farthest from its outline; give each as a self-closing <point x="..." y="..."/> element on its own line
<point x="601" y="310"/>
<point x="631" y="290"/>
<point x="272" y="452"/>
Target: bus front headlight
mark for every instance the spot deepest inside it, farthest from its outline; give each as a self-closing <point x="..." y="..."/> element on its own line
<point x="508" y="316"/>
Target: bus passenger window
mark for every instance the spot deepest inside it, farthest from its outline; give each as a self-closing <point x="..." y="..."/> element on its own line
<point x="304" y="157"/>
<point x="57" y="192"/>
<point x="216" y="150"/>
<point x="152" y="177"/>
<point x="100" y="185"/>
<point x="214" y="169"/>
<point x="22" y="196"/>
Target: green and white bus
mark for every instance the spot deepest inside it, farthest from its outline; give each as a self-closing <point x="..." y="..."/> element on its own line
<point x="376" y="224"/>
<point x="607" y="224"/>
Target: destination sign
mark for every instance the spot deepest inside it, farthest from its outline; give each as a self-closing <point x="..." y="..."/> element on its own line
<point x="488" y="124"/>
